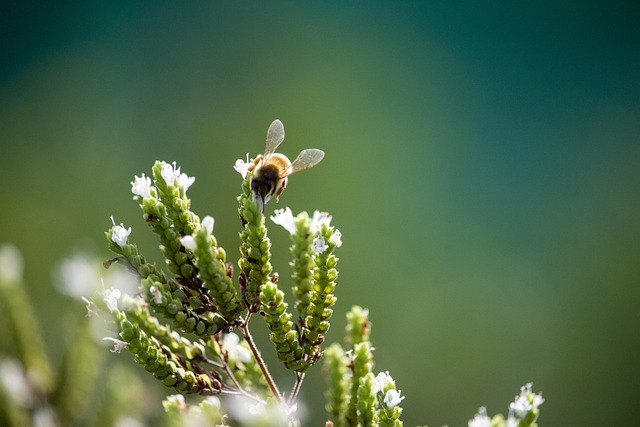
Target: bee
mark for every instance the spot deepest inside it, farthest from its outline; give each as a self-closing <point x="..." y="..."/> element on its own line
<point x="271" y="169"/>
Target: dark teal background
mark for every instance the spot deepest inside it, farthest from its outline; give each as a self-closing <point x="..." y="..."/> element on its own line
<point x="482" y="162"/>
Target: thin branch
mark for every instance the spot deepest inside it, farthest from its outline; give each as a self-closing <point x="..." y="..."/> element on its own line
<point x="296" y="388"/>
<point x="227" y="389"/>
<point x="233" y="378"/>
<point x="241" y="393"/>
<point x="256" y="354"/>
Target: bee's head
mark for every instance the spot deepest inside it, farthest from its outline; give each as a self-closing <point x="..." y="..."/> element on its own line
<point x="264" y="183"/>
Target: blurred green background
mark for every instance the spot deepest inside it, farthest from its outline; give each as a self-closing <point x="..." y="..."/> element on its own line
<point x="483" y="165"/>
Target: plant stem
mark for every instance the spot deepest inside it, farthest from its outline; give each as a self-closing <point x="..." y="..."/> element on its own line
<point x="296" y="388"/>
<point x="256" y="354"/>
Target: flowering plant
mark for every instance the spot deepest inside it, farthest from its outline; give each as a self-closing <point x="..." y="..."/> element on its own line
<point x="190" y="326"/>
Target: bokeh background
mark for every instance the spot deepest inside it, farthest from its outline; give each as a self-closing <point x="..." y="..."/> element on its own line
<point x="483" y="165"/>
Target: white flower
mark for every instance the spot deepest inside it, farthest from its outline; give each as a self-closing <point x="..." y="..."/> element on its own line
<point x="231" y="342"/>
<point x="178" y="400"/>
<point x="520" y="406"/>
<point x="111" y="297"/>
<point x="319" y="245"/>
<point x="526" y="401"/>
<point x="381" y="381"/>
<point x="242" y="167"/>
<point x="537" y="401"/>
<point x="118" y="345"/>
<point x="121" y="279"/>
<point x="336" y="238"/>
<point x="10" y="263"/>
<point x="207" y="223"/>
<point x="91" y="307"/>
<point x="44" y="416"/>
<point x="13" y="377"/>
<point x="317" y="220"/>
<point x="189" y="243"/>
<point x="185" y="181"/>
<point x="285" y="218"/>
<point x="481" y="419"/>
<point x="258" y="409"/>
<point x="170" y="172"/>
<point x="127" y="421"/>
<point x="78" y="276"/>
<point x="156" y="295"/>
<point x="119" y="234"/>
<point x="213" y="401"/>
<point x="224" y="420"/>
<point x="248" y="412"/>
<point x="392" y="398"/>
<point x="132" y="303"/>
<point x="141" y="187"/>
<point x="289" y="409"/>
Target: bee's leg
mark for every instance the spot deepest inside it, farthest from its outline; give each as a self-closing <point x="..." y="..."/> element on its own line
<point x="281" y="189"/>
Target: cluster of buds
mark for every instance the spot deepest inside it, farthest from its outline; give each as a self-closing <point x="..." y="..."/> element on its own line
<point x="355" y="395"/>
<point x="523" y="411"/>
<point x="181" y="323"/>
<point x="189" y="326"/>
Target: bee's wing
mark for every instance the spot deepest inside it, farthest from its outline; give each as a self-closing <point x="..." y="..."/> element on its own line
<point x="305" y="160"/>
<point x="275" y="136"/>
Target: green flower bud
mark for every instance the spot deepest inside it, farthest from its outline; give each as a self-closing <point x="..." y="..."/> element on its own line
<point x="212" y="272"/>
<point x="255" y="248"/>
<point x="367" y="402"/>
<point x="361" y="365"/>
<point x="336" y="395"/>
<point x="282" y="335"/>
<point x="150" y="353"/>
<point x="358" y="326"/>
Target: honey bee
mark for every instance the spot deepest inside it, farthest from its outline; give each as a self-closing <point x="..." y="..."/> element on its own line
<point x="271" y="169"/>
